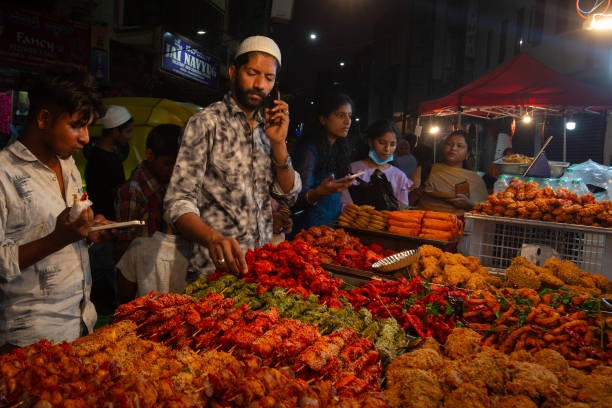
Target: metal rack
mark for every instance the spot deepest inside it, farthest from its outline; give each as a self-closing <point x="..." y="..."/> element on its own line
<point x="496" y="240"/>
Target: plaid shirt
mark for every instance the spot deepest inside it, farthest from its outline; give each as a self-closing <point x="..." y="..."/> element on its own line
<point x="140" y="198"/>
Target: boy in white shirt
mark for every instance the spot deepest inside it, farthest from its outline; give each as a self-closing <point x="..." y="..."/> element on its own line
<point x="156" y="263"/>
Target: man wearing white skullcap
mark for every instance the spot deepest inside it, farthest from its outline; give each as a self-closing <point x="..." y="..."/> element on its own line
<point x="104" y="169"/>
<point x="233" y="157"/>
<point x="104" y="174"/>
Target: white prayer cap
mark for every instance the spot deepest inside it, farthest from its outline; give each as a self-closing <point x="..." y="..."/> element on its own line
<point x="261" y="44"/>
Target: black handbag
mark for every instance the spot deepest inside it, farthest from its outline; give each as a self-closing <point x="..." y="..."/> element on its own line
<point x="378" y="192"/>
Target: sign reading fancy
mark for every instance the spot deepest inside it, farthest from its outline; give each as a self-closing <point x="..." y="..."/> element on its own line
<point x="34" y="39"/>
<point x="182" y="58"/>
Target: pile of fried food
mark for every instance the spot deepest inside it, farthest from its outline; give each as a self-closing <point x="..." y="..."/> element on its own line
<point x="463" y="373"/>
<point x="526" y="200"/>
<point x="516" y="158"/>
<point x="556" y="274"/>
<point x="113" y="367"/>
<point x="432" y="225"/>
<point x="454" y="269"/>
<point x="328" y="241"/>
<point x="522" y="319"/>
<point x="363" y="217"/>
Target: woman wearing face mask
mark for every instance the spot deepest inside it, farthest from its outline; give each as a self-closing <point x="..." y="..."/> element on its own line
<point x="382" y="142"/>
<point x="441" y="190"/>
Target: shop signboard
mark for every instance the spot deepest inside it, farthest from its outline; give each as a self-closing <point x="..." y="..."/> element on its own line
<point x="29" y="38"/>
<point x="182" y="57"/>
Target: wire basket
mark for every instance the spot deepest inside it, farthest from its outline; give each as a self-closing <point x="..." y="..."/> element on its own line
<point x="497" y="240"/>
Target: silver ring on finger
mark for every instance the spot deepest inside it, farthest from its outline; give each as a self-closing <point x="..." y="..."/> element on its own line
<point x="221" y="261"/>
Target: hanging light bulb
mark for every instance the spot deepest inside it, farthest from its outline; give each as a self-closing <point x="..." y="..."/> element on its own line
<point x="570" y="124"/>
<point x="434" y="130"/>
<point x="526" y="118"/>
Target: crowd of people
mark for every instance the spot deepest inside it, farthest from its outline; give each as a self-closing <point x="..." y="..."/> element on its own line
<point x="224" y="182"/>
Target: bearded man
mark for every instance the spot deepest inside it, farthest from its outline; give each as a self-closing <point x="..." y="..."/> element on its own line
<point x="233" y="158"/>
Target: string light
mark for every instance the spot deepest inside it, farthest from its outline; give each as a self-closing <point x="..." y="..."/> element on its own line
<point x="600" y="22"/>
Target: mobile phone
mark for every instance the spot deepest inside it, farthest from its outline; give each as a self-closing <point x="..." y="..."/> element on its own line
<point x="351" y="176"/>
<point x="462" y="188"/>
<point x="268" y="102"/>
<point x="117" y="225"/>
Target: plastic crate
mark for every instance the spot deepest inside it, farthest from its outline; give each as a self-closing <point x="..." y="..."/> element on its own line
<point x="496" y="240"/>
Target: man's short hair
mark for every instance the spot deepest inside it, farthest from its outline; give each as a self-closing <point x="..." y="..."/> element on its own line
<point x="163" y="140"/>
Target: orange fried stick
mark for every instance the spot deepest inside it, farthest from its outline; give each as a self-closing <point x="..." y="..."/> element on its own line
<point x="412" y="232"/>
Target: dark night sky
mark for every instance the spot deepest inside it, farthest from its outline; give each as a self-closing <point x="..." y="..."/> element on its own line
<point x="344" y="28"/>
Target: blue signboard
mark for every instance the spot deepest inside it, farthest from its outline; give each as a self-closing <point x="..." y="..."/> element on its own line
<point x="182" y="58"/>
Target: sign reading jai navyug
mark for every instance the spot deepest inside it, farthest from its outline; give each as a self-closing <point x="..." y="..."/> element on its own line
<point x="182" y="58"/>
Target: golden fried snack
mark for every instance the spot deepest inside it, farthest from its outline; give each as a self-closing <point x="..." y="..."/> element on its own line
<point x="415" y="388"/>
<point x="552" y="360"/>
<point x="421" y="358"/>
<point x="514" y="401"/>
<point x="487" y="367"/>
<point x="456" y="275"/>
<point x="430" y="250"/>
<point x="462" y="342"/>
<point x="550" y="281"/>
<point x="469" y="395"/>
<point x="532" y="380"/>
<point x="519" y="273"/>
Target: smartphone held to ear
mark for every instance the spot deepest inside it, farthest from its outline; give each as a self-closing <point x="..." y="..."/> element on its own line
<point x="268" y="102"/>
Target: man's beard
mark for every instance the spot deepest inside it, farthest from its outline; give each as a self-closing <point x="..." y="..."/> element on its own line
<point x="242" y="96"/>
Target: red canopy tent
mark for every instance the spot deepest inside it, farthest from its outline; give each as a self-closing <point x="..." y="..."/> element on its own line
<point x="521" y="83"/>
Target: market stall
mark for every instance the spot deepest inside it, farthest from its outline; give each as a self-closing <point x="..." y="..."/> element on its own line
<point x="520" y="86"/>
<point x="290" y="334"/>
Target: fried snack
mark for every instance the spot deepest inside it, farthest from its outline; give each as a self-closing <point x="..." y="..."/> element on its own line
<point x="430" y="250"/>
<point x="415" y="388"/>
<point x="469" y="395"/>
<point x="422" y="358"/>
<point x="521" y="274"/>
<point x="552" y="360"/>
<point x="515" y="401"/>
<point x="550" y="281"/>
<point x="567" y="271"/>
<point x="454" y="275"/>
<point x="462" y="342"/>
<point x="532" y="380"/>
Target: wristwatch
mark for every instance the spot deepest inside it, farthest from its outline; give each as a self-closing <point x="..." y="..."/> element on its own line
<point x="283" y="166"/>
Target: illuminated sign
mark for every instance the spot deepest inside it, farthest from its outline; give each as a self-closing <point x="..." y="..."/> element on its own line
<point x="183" y="58"/>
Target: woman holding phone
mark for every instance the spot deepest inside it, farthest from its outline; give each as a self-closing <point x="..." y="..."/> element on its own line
<point x="450" y="186"/>
<point x="323" y="159"/>
<point x="382" y="142"/>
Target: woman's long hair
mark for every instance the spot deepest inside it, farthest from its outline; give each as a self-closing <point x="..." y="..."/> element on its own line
<point x="334" y="158"/>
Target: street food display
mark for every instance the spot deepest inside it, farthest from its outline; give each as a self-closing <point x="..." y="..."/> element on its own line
<point x="462" y="372"/>
<point x="288" y="333"/>
<point x="430" y="225"/>
<point x="526" y="200"/>
<point x="335" y="245"/>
